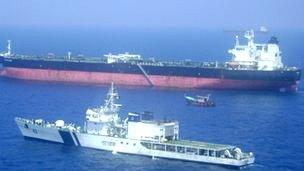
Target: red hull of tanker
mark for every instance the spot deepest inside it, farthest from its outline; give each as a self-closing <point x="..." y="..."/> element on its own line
<point x="141" y="80"/>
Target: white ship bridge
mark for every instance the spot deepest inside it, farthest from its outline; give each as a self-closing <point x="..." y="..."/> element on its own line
<point x="256" y="56"/>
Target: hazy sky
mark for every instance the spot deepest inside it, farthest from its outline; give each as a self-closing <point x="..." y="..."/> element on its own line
<point x="152" y="13"/>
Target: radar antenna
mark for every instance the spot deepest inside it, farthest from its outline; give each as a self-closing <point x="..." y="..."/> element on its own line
<point x="237" y="42"/>
<point x="69" y="55"/>
<point x="249" y="35"/>
<point x="8" y="54"/>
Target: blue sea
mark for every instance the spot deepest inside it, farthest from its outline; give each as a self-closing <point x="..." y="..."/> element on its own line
<point x="270" y="124"/>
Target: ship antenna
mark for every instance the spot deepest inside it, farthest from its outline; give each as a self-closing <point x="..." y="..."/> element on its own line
<point x="237" y="42"/>
<point x="250" y="36"/>
<point x="8" y="48"/>
<point x="110" y="100"/>
<point x="69" y="55"/>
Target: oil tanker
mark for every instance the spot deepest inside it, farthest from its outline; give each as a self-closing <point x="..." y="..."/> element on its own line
<point x="253" y="67"/>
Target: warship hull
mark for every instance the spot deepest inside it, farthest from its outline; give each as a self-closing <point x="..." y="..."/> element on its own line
<point x="115" y="144"/>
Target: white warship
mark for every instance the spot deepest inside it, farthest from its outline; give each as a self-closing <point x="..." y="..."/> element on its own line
<point x="138" y="134"/>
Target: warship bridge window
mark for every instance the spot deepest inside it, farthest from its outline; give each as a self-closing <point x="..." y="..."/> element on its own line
<point x="211" y="153"/>
<point x="191" y="150"/>
<point x="180" y="149"/>
<point x="218" y="154"/>
<point x="203" y="152"/>
<point x="170" y="148"/>
<point x="145" y="144"/>
<point x="159" y="147"/>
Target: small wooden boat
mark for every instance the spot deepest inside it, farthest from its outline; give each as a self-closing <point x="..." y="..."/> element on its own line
<point x="200" y="100"/>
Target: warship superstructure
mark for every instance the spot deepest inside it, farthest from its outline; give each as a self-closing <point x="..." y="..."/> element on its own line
<point x="138" y="134"/>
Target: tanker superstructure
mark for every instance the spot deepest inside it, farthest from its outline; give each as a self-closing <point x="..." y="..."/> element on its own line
<point x="253" y="67"/>
<point x="138" y="134"/>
